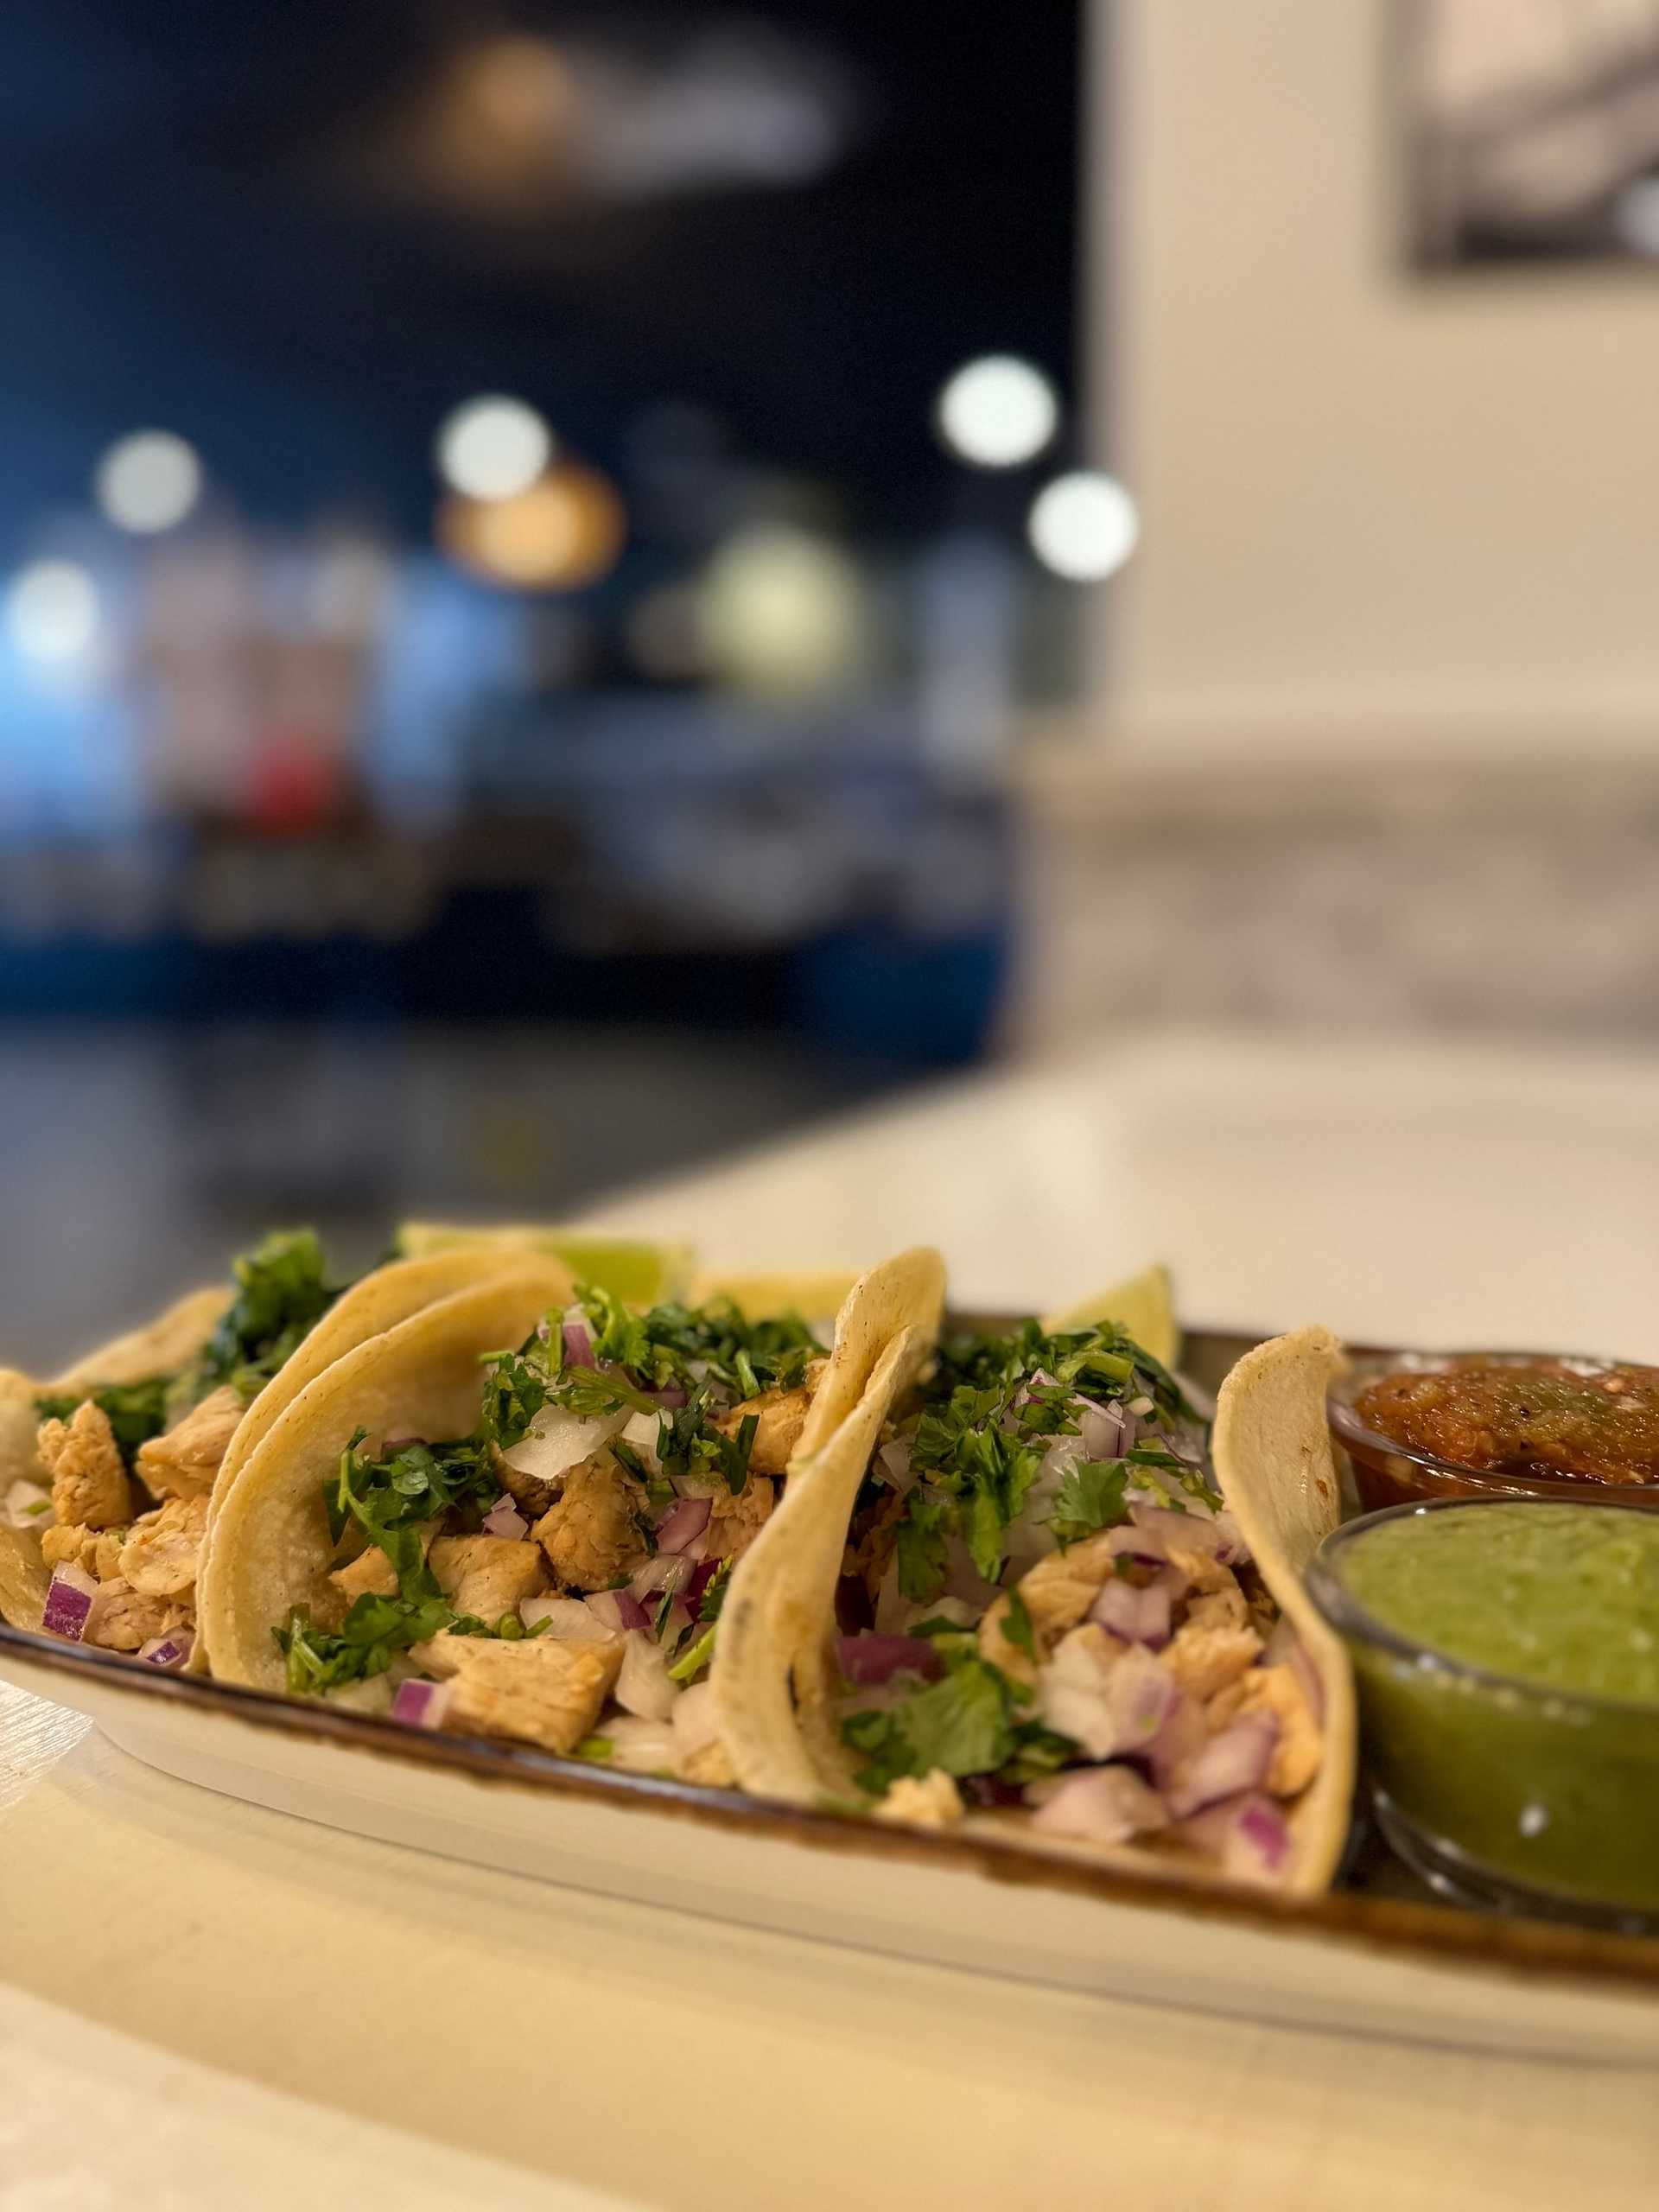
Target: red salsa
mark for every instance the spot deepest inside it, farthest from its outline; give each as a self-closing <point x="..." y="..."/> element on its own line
<point x="1548" y="1421"/>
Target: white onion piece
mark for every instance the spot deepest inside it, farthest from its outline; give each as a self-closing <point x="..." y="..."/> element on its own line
<point x="694" y="1721"/>
<point x="1235" y="1759"/>
<point x="1248" y="1834"/>
<point x="569" y="1620"/>
<point x="641" y="1433"/>
<point x="683" y="1524"/>
<point x="663" y="1571"/>
<point x="1102" y="1804"/>
<point x="1101" y="1430"/>
<point x="25" y="1507"/>
<point x="640" y="1746"/>
<point x="893" y="1459"/>
<point x="69" y="1602"/>
<point x="559" y="1440"/>
<point x="1109" y="1703"/>
<point x="643" y="1686"/>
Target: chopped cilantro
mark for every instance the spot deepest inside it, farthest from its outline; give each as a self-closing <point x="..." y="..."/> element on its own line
<point x="963" y="1723"/>
<point x="713" y="1596"/>
<point x="923" y="1547"/>
<point x="282" y="1290"/>
<point x="694" y="1657"/>
<point x="390" y="1498"/>
<point x="1090" y="1497"/>
<point x="372" y="1634"/>
<point x="688" y="1444"/>
<point x="1017" y="1627"/>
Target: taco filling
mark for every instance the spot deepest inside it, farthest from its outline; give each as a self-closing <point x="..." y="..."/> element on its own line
<point x="117" y="1494"/>
<point x="1048" y="1608"/>
<point x="557" y="1575"/>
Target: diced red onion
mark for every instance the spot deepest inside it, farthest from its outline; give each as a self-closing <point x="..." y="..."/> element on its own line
<point x="1101" y="1804"/>
<point x="1188" y="1532"/>
<point x="504" y="1519"/>
<point x="618" y="1609"/>
<point x="871" y="1658"/>
<point x="684" y="1521"/>
<point x="1138" y="1693"/>
<point x="1138" y="1614"/>
<point x="420" y="1705"/>
<point x="643" y="1686"/>
<point x="569" y="1620"/>
<point x="68" y="1601"/>
<point x="692" y="1595"/>
<point x="394" y="1439"/>
<point x="665" y="1571"/>
<point x="1132" y="1542"/>
<point x="1184" y="1734"/>
<point x="1237" y="1758"/>
<point x="1248" y="1834"/>
<point x="671" y="1398"/>
<point x="577" y="1338"/>
<point x="166" y="1650"/>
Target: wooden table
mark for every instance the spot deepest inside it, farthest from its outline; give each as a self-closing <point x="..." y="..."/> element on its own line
<point x="203" y="2005"/>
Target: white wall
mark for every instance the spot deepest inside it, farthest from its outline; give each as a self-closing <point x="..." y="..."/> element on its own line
<point x="1378" y="510"/>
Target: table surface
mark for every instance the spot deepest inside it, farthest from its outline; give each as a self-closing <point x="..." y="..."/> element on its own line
<point x="203" y="2004"/>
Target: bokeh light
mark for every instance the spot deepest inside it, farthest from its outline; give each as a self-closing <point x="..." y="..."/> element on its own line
<point x="782" y="612"/>
<point x="494" y="448"/>
<point x="148" y="481"/>
<point x="1083" y="526"/>
<point x="561" y="533"/>
<point x="52" y="610"/>
<point x="998" y="412"/>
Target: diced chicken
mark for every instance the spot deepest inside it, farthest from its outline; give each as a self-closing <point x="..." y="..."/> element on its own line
<point x="594" y="1535"/>
<point x="487" y="1575"/>
<point x="540" y="1691"/>
<point x="122" y="1618"/>
<point x="159" y="1557"/>
<point x="371" y="1575"/>
<point x="1278" y="1691"/>
<point x="736" y="1519"/>
<point x="781" y="1416"/>
<point x="89" y="1482"/>
<point x="932" y="1801"/>
<point x="711" y="1765"/>
<point x="1219" y="1609"/>
<point x="1204" y="1659"/>
<point x="94" y="1551"/>
<point x="1057" y="1592"/>
<point x="531" y="1494"/>
<point x="182" y="1463"/>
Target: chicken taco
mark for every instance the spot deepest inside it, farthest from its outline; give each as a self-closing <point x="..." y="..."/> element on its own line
<point x="1036" y="1592"/>
<point x="516" y="1512"/>
<point x="111" y="1472"/>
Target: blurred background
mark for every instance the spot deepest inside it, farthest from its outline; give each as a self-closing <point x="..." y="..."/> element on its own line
<point x="584" y="586"/>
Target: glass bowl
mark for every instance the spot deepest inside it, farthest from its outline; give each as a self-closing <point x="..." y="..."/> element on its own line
<point x="1495" y="1789"/>
<point x="1388" y="1473"/>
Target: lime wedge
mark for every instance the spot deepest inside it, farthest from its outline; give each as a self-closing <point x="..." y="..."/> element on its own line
<point x="1143" y="1308"/>
<point x="817" y="1294"/>
<point x="629" y="1268"/>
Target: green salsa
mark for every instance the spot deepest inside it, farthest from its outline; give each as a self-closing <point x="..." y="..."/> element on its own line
<point x="1564" y="1596"/>
<point x="1512" y="1735"/>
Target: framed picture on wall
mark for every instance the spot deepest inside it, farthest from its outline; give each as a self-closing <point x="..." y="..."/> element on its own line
<point x="1530" y="129"/>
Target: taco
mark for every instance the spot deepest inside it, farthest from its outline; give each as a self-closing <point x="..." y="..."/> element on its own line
<point x="1037" y="1596"/>
<point x="534" y="1541"/>
<point x="110" y="1474"/>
